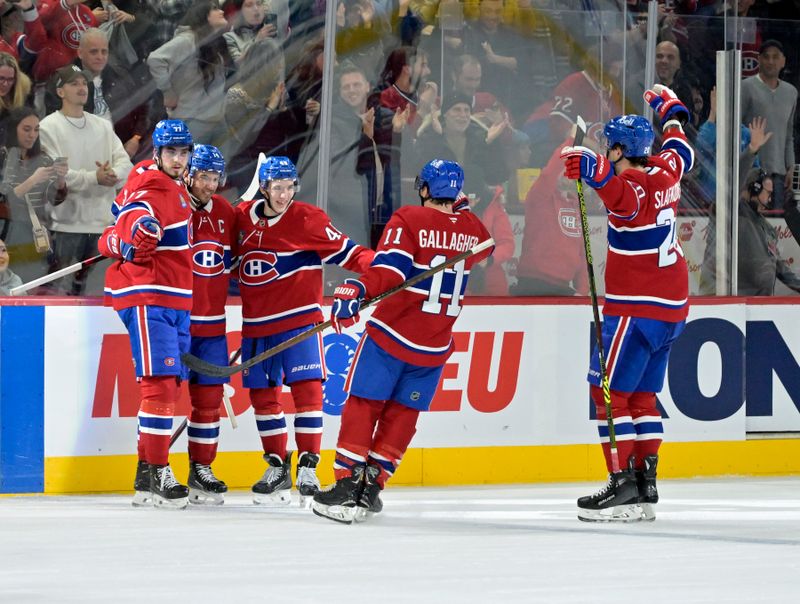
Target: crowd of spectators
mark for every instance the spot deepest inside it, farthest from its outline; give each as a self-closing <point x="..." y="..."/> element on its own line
<point x="493" y="84"/>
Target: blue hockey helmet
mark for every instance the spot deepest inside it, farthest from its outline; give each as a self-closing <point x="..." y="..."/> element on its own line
<point x="443" y="178"/>
<point x="207" y="158"/>
<point x="632" y="132"/>
<point x="276" y="168"/>
<point x="171" y="133"/>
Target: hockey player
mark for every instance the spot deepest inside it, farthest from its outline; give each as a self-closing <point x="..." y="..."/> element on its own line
<point x="646" y="299"/>
<point x="150" y="287"/>
<point x="283" y="244"/>
<point x="400" y="357"/>
<point x="213" y="251"/>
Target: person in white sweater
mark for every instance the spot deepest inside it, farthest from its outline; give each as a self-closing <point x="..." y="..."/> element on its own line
<point x="98" y="166"/>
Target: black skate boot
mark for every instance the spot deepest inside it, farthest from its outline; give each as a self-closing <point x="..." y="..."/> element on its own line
<point x="204" y="487"/>
<point x="646" y="483"/>
<point x="615" y="502"/>
<point x="167" y="491"/>
<point x="142" y="495"/>
<point x="338" y="502"/>
<point x="276" y="483"/>
<point x="369" y="503"/>
<point x="307" y="481"/>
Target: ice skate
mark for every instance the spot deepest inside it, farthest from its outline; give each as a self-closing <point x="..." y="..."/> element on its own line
<point x="204" y="487"/>
<point x="167" y="491"/>
<point x="615" y="502"/>
<point x="142" y="495"/>
<point x="276" y="484"/>
<point x="369" y="502"/>
<point x="307" y="481"/>
<point x="338" y="502"/>
<point x="646" y="484"/>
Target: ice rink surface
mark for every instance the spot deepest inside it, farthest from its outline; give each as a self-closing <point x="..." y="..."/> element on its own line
<point x="719" y="540"/>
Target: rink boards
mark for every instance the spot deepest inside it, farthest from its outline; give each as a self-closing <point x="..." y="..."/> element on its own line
<point x="512" y="405"/>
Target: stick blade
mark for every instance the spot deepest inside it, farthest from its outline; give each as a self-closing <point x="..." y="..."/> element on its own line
<point x="206" y="368"/>
<point x="580" y="130"/>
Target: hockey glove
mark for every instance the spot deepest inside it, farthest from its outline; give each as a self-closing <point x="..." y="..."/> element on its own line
<point x="666" y="104"/>
<point x="582" y="162"/>
<point x="146" y="234"/>
<point x="116" y="248"/>
<point x="347" y="299"/>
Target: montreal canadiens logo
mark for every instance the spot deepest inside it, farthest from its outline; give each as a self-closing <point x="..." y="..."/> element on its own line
<point x="258" y="268"/>
<point x="569" y="222"/>
<point x="71" y="36"/>
<point x="208" y="259"/>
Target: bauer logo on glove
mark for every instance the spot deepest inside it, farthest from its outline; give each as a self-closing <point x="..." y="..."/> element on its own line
<point x="666" y="104"/>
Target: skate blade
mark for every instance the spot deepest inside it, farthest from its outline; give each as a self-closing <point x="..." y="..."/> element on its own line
<point x="305" y="501"/>
<point x="362" y="514"/>
<point x="618" y="513"/>
<point x="170" y="504"/>
<point x="337" y="513"/>
<point x="142" y="499"/>
<point x="648" y="512"/>
<point x="200" y="497"/>
<point x="278" y="498"/>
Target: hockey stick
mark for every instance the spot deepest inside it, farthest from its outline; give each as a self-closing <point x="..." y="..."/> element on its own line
<point x="580" y="133"/>
<point x="227" y="392"/>
<point x="206" y="368"/>
<point x="68" y="270"/>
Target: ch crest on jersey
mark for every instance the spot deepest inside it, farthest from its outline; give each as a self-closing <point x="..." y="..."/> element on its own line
<point x="208" y="259"/>
<point x="569" y="222"/>
<point x="258" y="268"/>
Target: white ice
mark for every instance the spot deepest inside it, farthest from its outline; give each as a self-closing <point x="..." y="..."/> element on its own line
<point x="722" y="540"/>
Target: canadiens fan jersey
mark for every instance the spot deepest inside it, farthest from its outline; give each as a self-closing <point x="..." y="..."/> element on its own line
<point x="64" y="25"/>
<point x="166" y="279"/>
<point x="415" y="325"/>
<point x="646" y="272"/>
<point x="280" y="268"/>
<point x="213" y="251"/>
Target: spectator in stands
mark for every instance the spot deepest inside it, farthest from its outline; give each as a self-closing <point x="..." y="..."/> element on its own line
<point x="64" y="21"/>
<point x="765" y="94"/>
<point x="466" y="79"/>
<point x="362" y="187"/>
<point x="164" y="17"/>
<point x="453" y="137"/>
<point x="98" y="167"/>
<point x="31" y="181"/>
<point x="8" y="280"/>
<point x="488" y="278"/>
<point x="15" y="89"/>
<point x="249" y="26"/>
<point x="504" y="55"/>
<point x="760" y="261"/>
<point x="403" y="76"/>
<point x="112" y="93"/>
<point x="30" y="37"/>
<point x="191" y="71"/>
<point x="552" y="261"/>
<point x="361" y="39"/>
<point x="257" y="95"/>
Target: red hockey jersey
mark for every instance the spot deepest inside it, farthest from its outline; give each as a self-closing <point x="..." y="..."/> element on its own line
<point x="213" y="251"/>
<point x="646" y="272"/>
<point x="280" y="272"/>
<point x="166" y="278"/>
<point x="416" y="324"/>
<point x="552" y="242"/>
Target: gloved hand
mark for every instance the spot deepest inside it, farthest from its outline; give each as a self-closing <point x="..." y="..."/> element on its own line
<point x="666" y="104"/>
<point x="347" y="299"/>
<point x="146" y="234"/>
<point x="125" y="251"/>
<point x="582" y="162"/>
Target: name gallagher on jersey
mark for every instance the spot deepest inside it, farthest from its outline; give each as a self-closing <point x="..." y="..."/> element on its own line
<point x="447" y="241"/>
